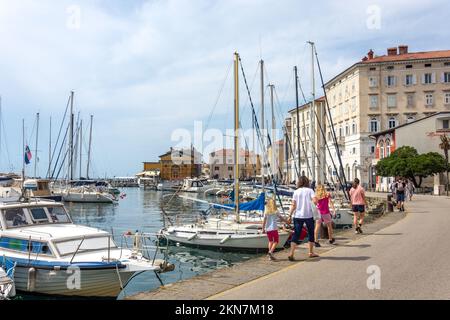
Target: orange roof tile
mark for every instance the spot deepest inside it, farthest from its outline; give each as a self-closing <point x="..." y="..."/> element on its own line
<point x="410" y="56"/>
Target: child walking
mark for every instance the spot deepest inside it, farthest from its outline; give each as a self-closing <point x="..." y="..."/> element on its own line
<point x="270" y="226"/>
<point x="323" y="205"/>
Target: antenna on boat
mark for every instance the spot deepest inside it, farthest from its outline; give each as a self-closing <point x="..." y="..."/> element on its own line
<point x="22" y="189"/>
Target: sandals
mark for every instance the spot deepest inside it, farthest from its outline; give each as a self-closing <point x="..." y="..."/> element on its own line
<point x="313" y="255"/>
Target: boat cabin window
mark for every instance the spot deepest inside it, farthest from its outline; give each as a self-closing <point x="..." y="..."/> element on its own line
<point x="23" y="245"/>
<point x="39" y="215"/>
<point x="88" y="244"/>
<point x="58" y="215"/>
<point x="15" y="217"/>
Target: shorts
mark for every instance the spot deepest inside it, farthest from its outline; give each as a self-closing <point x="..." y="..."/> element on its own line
<point x="400" y="197"/>
<point x="358" y="208"/>
<point x="273" y="236"/>
<point x="326" y="218"/>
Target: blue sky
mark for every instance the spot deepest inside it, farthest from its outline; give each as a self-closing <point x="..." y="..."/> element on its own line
<point x="146" y="68"/>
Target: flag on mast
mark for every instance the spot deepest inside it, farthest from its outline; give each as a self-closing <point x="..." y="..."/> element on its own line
<point x="28" y="155"/>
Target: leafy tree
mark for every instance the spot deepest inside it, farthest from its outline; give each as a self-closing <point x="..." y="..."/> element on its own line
<point x="445" y="146"/>
<point x="406" y="162"/>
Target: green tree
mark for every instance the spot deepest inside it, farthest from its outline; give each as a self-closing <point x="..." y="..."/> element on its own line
<point x="406" y="162"/>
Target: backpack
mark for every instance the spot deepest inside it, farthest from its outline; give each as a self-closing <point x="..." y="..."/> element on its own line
<point x="400" y="186"/>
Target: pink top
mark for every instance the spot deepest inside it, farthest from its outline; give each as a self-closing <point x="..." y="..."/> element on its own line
<point x="323" y="205"/>
<point x="357" y="196"/>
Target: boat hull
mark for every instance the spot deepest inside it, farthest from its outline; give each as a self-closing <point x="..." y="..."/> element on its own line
<point x="257" y="242"/>
<point x="87" y="198"/>
<point x="92" y="283"/>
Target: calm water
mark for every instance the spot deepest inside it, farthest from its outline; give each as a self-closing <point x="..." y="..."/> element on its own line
<point x="140" y="210"/>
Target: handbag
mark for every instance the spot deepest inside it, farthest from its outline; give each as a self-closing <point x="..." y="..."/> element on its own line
<point x="315" y="211"/>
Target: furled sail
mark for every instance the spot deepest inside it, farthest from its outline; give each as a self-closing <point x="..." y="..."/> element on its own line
<point x="257" y="204"/>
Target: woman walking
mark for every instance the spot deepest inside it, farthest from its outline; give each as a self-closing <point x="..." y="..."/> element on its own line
<point x="323" y="205"/>
<point x="359" y="203"/>
<point x="302" y="202"/>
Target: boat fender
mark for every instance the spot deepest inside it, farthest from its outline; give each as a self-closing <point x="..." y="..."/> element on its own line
<point x="31" y="284"/>
<point x="166" y="266"/>
<point x="192" y="237"/>
<point x="228" y="237"/>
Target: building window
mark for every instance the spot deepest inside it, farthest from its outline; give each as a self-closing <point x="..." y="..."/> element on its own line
<point x="388" y="148"/>
<point x="410" y="80"/>
<point x="354" y="128"/>
<point x="391" y="100"/>
<point x="216" y="168"/>
<point x="373" y="82"/>
<point x="373" y="101"/>
<point x="230" y="168"/>
<point x="445" y="124"/>
<point x="410" y="119"/>
<point x="354" y="104"/>
<point x="390" y="68"/>
<point x="428" y="65"/>
<point x="392" y="123"/>
<point x="347" y="130"/>
<point x="381" y="149"/>
<point x="409" y="66"/>
<point x="390" y="81"/>
<point x="447" y="98"/>
<point x="341" y="132"/>
<point x="372" y="149"/>
<point x="446" y="77"/>
<point x="428" y="99"/>
<point x="428" y="78"/>
<point x="373" y="124"/>
<point x="410" y="100"/>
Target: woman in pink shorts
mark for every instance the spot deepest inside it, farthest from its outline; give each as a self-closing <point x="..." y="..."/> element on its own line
<point x="323" y="205"/>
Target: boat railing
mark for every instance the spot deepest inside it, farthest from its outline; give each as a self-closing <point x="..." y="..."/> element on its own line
<point x="145" y="244"/>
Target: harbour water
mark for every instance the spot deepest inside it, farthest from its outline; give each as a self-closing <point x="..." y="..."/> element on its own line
<point x="140" y="210"/>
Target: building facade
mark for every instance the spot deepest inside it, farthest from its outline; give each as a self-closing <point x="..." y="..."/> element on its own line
<point x="380" y="93"/>
<point x="222" y="164"/>
<point x="177" y="164"/>
<point x="423" y="134"/>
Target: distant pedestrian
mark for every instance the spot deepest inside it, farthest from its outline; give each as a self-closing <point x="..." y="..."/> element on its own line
<point x="302" y="201"/>
<point x="270" y="226"/>
<point x="410" y="189"/>
<point x="359" y="203"/>
<point x="323" y="205"/>
<point x="400" y="188"/>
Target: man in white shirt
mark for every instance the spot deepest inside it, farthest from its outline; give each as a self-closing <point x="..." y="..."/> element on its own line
<point x="302" y="201"/>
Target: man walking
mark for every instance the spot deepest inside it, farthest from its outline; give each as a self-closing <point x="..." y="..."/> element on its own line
<point x="359" y="203"/>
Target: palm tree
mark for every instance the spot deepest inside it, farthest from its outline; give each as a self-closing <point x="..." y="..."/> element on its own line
<point x="445" y="145"/>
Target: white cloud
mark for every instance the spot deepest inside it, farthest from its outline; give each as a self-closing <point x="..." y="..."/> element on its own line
<point x="147" y="67"/>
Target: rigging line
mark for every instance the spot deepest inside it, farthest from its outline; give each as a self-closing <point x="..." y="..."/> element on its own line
<point x="32" y="132"/>
<point x="59" y="133"/>
<point x="261" y="141"/>
<point x="333" y="132"/>
<point x="244" y="114"/>
<point x="218" y="96"/>
<point x="321" y="128"/>
<point x="6" y="145"/>
<point x="60" y="151"/>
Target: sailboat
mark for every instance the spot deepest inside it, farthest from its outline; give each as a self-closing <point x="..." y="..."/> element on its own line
<point x="221" y="233"/>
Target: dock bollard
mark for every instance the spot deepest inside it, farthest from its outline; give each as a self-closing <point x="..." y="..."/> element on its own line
<point x="390" y="204"/>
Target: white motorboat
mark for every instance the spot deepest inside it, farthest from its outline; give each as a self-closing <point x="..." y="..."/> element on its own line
<point x="194" y="185"/>
<point x="87" y="195"/>
<point x="53" y="256"/>
<point x="223" y="234"/>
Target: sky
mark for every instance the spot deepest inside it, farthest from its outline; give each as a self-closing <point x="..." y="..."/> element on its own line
<point x="146" y="69"/>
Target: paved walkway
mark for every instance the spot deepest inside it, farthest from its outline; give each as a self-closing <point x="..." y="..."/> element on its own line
<point x="413" y="257"/>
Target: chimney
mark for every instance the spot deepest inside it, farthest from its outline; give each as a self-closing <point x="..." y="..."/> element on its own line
<point x="392" y="51"/>
<point x="403" y="49"/>
<point x="370" y="54"/>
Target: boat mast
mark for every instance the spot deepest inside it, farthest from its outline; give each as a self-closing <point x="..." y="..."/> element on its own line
<point x="71" y="138"/>
<point x="50" y="149"/>
<point x="89" y="149"/>
<point x="236" y="135"/>
<point x="23" y="156"/>
<point x="263" y="171"/>
<point x="36" y="149"/>
<point x="81" y="142"/>
<point x="274" y="142"/>
<point x="298" y="122"/>
<point x="313" y="119"/>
